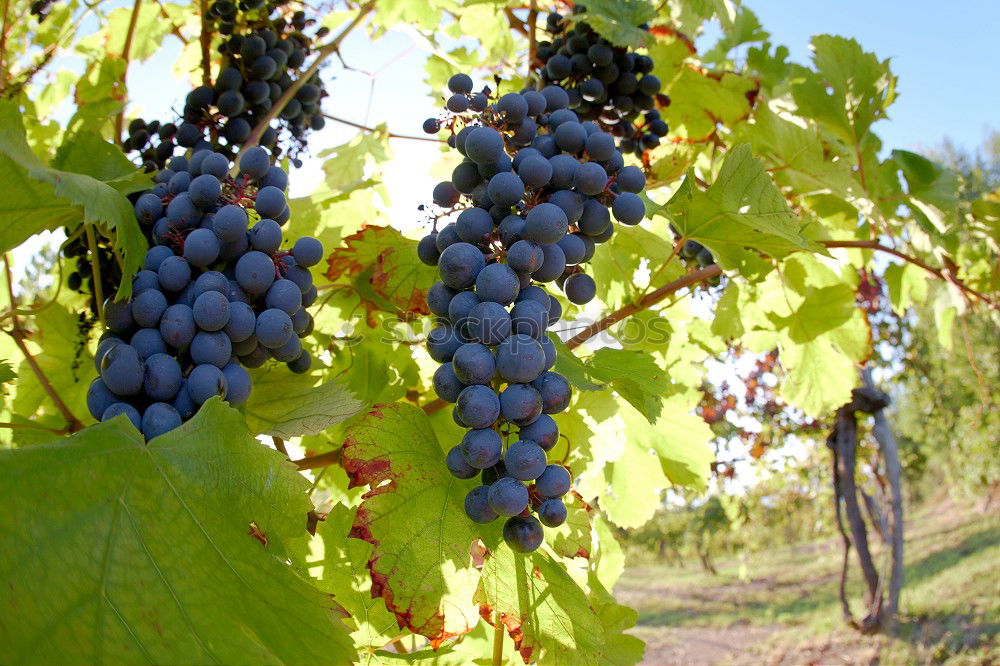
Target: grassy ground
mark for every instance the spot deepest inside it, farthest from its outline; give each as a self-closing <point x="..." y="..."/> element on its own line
<point x="780" y="608"/>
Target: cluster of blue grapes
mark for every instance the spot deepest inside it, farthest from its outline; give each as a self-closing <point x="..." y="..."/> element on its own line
<point x="262" y="59"/>
<point x="534" y="195"/>
<point x="216" y="295"/>
<point x="607" y="84"/>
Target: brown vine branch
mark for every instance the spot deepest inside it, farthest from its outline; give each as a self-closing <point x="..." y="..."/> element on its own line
<point x="649" y="300"/>
<point x="18" y="336"/>
<point x="515" y="23"/>
<point x="3" y="44"/>
<point x="941" y="275"/>
<point x="205" y="40"/>
<point x="328" y="49"/>
<point x="391" y="135"/>
<point x="126" y="51"/>
<point x="24" y="77"/>
<point x="532" y="37"/>
<point x="174" y="30"/>
<point x="72" y="422"/>
<point x="279" y="445"/>
<point x="321" y="460"/>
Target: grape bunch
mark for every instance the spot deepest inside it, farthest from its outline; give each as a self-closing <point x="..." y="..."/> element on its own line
<point x="605" y="83"/>
<point x="533" y="196"/>
<point x="261" y="60"/>
<point x="217" y="294"/>
<point x="40" y="9"/>
<point x="696" y="253"/>
<point x="81" y="279"/>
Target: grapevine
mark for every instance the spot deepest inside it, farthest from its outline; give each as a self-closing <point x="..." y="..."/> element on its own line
<point x="250" y="458"/>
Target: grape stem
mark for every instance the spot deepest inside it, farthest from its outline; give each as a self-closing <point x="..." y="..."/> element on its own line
<point x="532" y="38"/>
<point x="498" y="641"/>
<point x="328" y="49"/>
<point x="126" y="49"/>
<point x="95" y="266"/>
<point x="205" y="39"/>
<point x="391" y="135"/>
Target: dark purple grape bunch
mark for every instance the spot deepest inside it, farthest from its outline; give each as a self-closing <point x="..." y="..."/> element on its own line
<point x="640" y="136"/>
<point x="225" y="14"/>
<point x="82" y="279"/>
<point x="530" y="207"/>
<point x="262" y="59"/>
<point x="40" y="9"/>
<point x="220" y="291"/>
<point x="607" y="84"/>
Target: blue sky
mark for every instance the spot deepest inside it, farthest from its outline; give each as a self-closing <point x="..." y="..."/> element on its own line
<point x="944" y="54"/>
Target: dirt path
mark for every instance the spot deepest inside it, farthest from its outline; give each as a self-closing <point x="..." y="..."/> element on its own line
<point x="703" y="646"/>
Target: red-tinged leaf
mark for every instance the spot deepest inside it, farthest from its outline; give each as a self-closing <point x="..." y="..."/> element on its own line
<point x="414" y="516"/>
<point x="572" y="538"/>
<point x="547" y="614"/>
<point x="395" y="280"/>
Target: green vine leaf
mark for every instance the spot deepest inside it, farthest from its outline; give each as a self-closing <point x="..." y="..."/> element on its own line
<point x="850" y="90"/>
<point x="175" y="551"/>
<point x="617" y="21"/>
<point x="414" y="516"/>
<point x="344" y="575"/>
<point x="40" y="198"/>
<point x="633" y="374"/>
<point x="548" y="615"/>
<point x="933" y="190"/>
<point x="742" y="210"/>
<point x="287" y="405"/>
<point x="61" y="353"/>
<point x="574" y="537"/>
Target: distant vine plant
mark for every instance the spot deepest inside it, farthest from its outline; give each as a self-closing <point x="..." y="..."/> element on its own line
<point x="198" y="469"/>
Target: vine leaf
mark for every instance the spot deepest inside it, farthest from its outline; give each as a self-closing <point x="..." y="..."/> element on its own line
<point x="699" y="98"/>
<point x="414" y="516"/>
<point x="150" y="29"/>
<point x="389" y="263"/>
<point x="288" y="405"/>
<point x="822" y="309"/>
<point x="633" y="374"/>
<point x="800" y="153"/>
<point x="175" y="551"/>
<point x="90" y="154"/>
<point x="850" y="90"/>
<point x="933" y="191"/>
<point x="741" y="210"/>
<point x="572" y="538"/>
<point x="548" y="615"/>
<point x="673" y="451"/>
<point x="60" y="352"/>
<point x="39" y="198"/>
<point x="344" y="575"/>
<point x="616" y="20"/>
